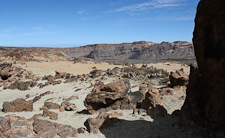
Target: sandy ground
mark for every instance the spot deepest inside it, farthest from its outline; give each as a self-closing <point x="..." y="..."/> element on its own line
<point x="49" y="68"/>
<point x="131" y="126"/>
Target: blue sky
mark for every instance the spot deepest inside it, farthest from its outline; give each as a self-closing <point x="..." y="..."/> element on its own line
<point x="68" y="23"/>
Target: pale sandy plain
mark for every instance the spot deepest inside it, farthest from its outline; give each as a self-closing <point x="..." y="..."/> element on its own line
<point x="132" y="126"/>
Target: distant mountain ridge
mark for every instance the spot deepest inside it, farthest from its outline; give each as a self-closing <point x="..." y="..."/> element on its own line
<point x="135" y="50"/>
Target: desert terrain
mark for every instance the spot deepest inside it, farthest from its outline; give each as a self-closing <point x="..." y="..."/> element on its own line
<point x="130" y="122"/>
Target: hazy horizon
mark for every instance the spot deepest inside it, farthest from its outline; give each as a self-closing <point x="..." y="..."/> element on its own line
<point x="56" y="23"/>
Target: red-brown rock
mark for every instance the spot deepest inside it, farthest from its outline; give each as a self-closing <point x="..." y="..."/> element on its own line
<point x="120" y="86"/>
<point x="153" y="103"/>
<point x="17" y="105"/>
<point x="178" y="78"/>
<point x="51" y="105"/>
<point x="44" y="128"/>
<point x="103" y="120"/>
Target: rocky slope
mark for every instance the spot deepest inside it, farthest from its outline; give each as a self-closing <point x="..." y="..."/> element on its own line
<point x="135" y="50"/>
<point x="33" y="54"/>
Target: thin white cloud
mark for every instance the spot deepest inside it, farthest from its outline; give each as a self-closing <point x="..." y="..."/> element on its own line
<point x="6" y="30"/>
<point x="36" y="33"/>
<point x="37" y="27"/>
<point x="80" y="12"/>
<point x="149" y="4"/>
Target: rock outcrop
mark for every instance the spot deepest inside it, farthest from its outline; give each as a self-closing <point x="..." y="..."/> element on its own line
<point x="205" y="93"/>
<point x="18" y="105"/>
<point x="17" y="127"/>
<point x="108" y="97"/>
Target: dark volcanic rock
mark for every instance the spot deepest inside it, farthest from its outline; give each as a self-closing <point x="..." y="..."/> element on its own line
<point x="17" y="105"/>
<point x="103" y="120"/>
<point x="108" y="97"/>
<point x="21" y="85"/>
<point x="205" y="93"/>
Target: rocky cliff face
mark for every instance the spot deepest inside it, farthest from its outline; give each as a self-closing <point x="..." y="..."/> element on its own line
<point x="206" y="90"/>
<point x="135" y="50"/>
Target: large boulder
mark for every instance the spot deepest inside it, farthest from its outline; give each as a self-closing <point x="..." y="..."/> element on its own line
<point x="18" y="105"/>
<point x="18" y="127"/>
<point x="108" y="97"/>
<point x="121" y="86"/>
<point x="205" y="93"/>
<point x="103" y="120"/>
<point x="178" y="78"/>
<point x="153" y="103"/>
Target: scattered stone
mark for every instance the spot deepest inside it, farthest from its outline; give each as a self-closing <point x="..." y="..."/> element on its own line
<point x="28" y="96"/>
<point x="39" y="97"/>
<point x="81" y="130"/>
<point x="51" y="105"/>
<point x="72" y="98"/>
<point x="52" y="115"/>
<point x="95" y="73"/>
<point x="18" y="105"/>
<point x="21" y="85"/>
<point x="68" y="106"/>
<point x="77" y="90"/>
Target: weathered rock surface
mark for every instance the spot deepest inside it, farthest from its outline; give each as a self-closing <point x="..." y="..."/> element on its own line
<point x="41" y="95"/>
<point x="52" y="115"/>
<point x="109" y="97"/>
<point x="103" y="120"/>
<point x="178" y="78"/>
<point x="135" y="50"/>
<point x="51" y="105"/>
<point x="205" y="93"/>
<point x="17" y="127"/>
<point x="44" y="128"/>
<point x="68" y="106"/>
<point x="18" y="105"/>
<point x="153" y="103"/>
<point x="21" y="85"/>
<point x="121" y="86"/>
